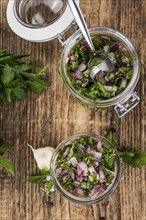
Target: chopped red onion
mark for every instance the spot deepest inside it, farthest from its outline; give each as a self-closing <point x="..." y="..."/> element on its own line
<point x="58" y="171"/>
<point x="81" y="177"/>
<point x="96" y="164"/>
<point x="96" y="154"/>
<point x="124" y="51"/>
<point x="99" y="146"/>
<point x="112" y="57"/>
<point x="78" y="82"/>
<point x="83" y="186"/>
<point x="66" y="153"/>
<point x="77" y="183"/>
<point x="111" y="88"/>
<point x="100" y="167"/>
<point x="82" y="67"/>
<point x="124" y="59"/>
<point x="84" y="178"/>
<point x="79" y="191"/>
<point x="107" y="49"/>
<point x="123" y="83"/>
<point x="92" y="170"/>
<point x="102" y="176"/>
<point x="111" y="76"/>
<point x="79" y="170"/>
<point x="73" y="161"/>
<point x="77" y="74"/>
<point x="71" y="56"/>
<point x="81" y="147"/>
<point x="85" y="44"/>
<point x="87" y="149"/>
<point x="72" y="174"/>
<point x="83" y="167"/>
<point x="94" y="191"/>
<point x="114" y="47"/>
<point x="64" y="173"/>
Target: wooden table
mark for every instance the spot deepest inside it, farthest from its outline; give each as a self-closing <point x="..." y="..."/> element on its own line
<point x="55" y="114"/>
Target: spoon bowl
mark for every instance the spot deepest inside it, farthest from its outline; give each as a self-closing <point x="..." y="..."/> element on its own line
<point x="105" y="66"/>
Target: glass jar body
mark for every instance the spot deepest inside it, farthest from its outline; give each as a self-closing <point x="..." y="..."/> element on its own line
<point x="119" y="100"/>
<point x="80" y="200"/>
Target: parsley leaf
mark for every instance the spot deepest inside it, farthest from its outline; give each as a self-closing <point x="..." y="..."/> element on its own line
<point x="17" y="76"/>
<point x="49" y="185"/>
<point x="5" y="164"/>
<point x="135" y="159"/>
<point x="37" y="179"/>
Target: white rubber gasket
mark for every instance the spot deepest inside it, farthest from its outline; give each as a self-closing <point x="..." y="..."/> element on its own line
<point x="39" y="34"/>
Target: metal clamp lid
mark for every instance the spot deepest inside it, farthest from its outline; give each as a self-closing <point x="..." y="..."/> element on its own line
<point x="125" y="106"/>
<point x="47" y="33"/>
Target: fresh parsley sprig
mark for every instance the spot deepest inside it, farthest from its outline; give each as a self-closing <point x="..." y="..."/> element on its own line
<point x="3" y="162"/>
<point x="133" y="158"/>
<point x="17" y="76"/>
<point x="45" y="178"/>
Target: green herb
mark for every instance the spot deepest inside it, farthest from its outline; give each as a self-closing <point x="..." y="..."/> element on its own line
<point x="104" y="85"/>
<point x="17" y="76"/>
<point x="3" y="162"/>
<point x="113" y="138"/>
<point x="135" y="159"/>
<point x="42" y="178"/>
<point x="37" y="179"/>
<point x="87" y="168"/>
<point x="49" y="185"/>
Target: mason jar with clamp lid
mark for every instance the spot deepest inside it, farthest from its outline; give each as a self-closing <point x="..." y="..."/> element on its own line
<point x="28" y="21"/>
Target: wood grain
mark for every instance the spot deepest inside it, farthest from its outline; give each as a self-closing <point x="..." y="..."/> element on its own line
<point x="55" y="114"/>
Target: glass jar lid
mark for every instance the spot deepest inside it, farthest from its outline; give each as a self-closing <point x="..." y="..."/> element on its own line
<point x="26" y="20"/>
<point x="40" y="13"/>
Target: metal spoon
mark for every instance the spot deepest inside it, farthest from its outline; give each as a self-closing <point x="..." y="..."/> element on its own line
<point x="105" y="65"/>
<point x="81" y="23"/>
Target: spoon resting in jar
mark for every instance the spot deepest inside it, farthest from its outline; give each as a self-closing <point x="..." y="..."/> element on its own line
<point x="106" y="64"/>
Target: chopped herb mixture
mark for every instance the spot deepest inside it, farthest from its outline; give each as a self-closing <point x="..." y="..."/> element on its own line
<point x="86" y="167"/>
<point x="105" y="84"/>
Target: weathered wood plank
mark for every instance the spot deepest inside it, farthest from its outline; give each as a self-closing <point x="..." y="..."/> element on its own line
<point x="48" y="119"/>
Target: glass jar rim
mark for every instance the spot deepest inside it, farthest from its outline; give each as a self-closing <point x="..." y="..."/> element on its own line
<point x="81" y="200"/>
<point x="54" y="19"/>
<point x="117" y="35"/>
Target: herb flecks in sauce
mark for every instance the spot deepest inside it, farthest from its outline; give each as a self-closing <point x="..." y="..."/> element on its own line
<point x="106" y="84"/>
<point x="85" y="167"/>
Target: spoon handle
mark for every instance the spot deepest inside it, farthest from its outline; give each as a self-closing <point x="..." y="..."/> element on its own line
<point x="81" y="22"/>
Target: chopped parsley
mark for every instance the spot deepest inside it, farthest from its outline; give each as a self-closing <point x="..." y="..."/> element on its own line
<point x="104" y="85"/>
<point x="85" y="167"/>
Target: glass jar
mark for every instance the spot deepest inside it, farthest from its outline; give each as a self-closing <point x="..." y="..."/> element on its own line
<point x="81" y="200"/>
<point x="123" y="102"/>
